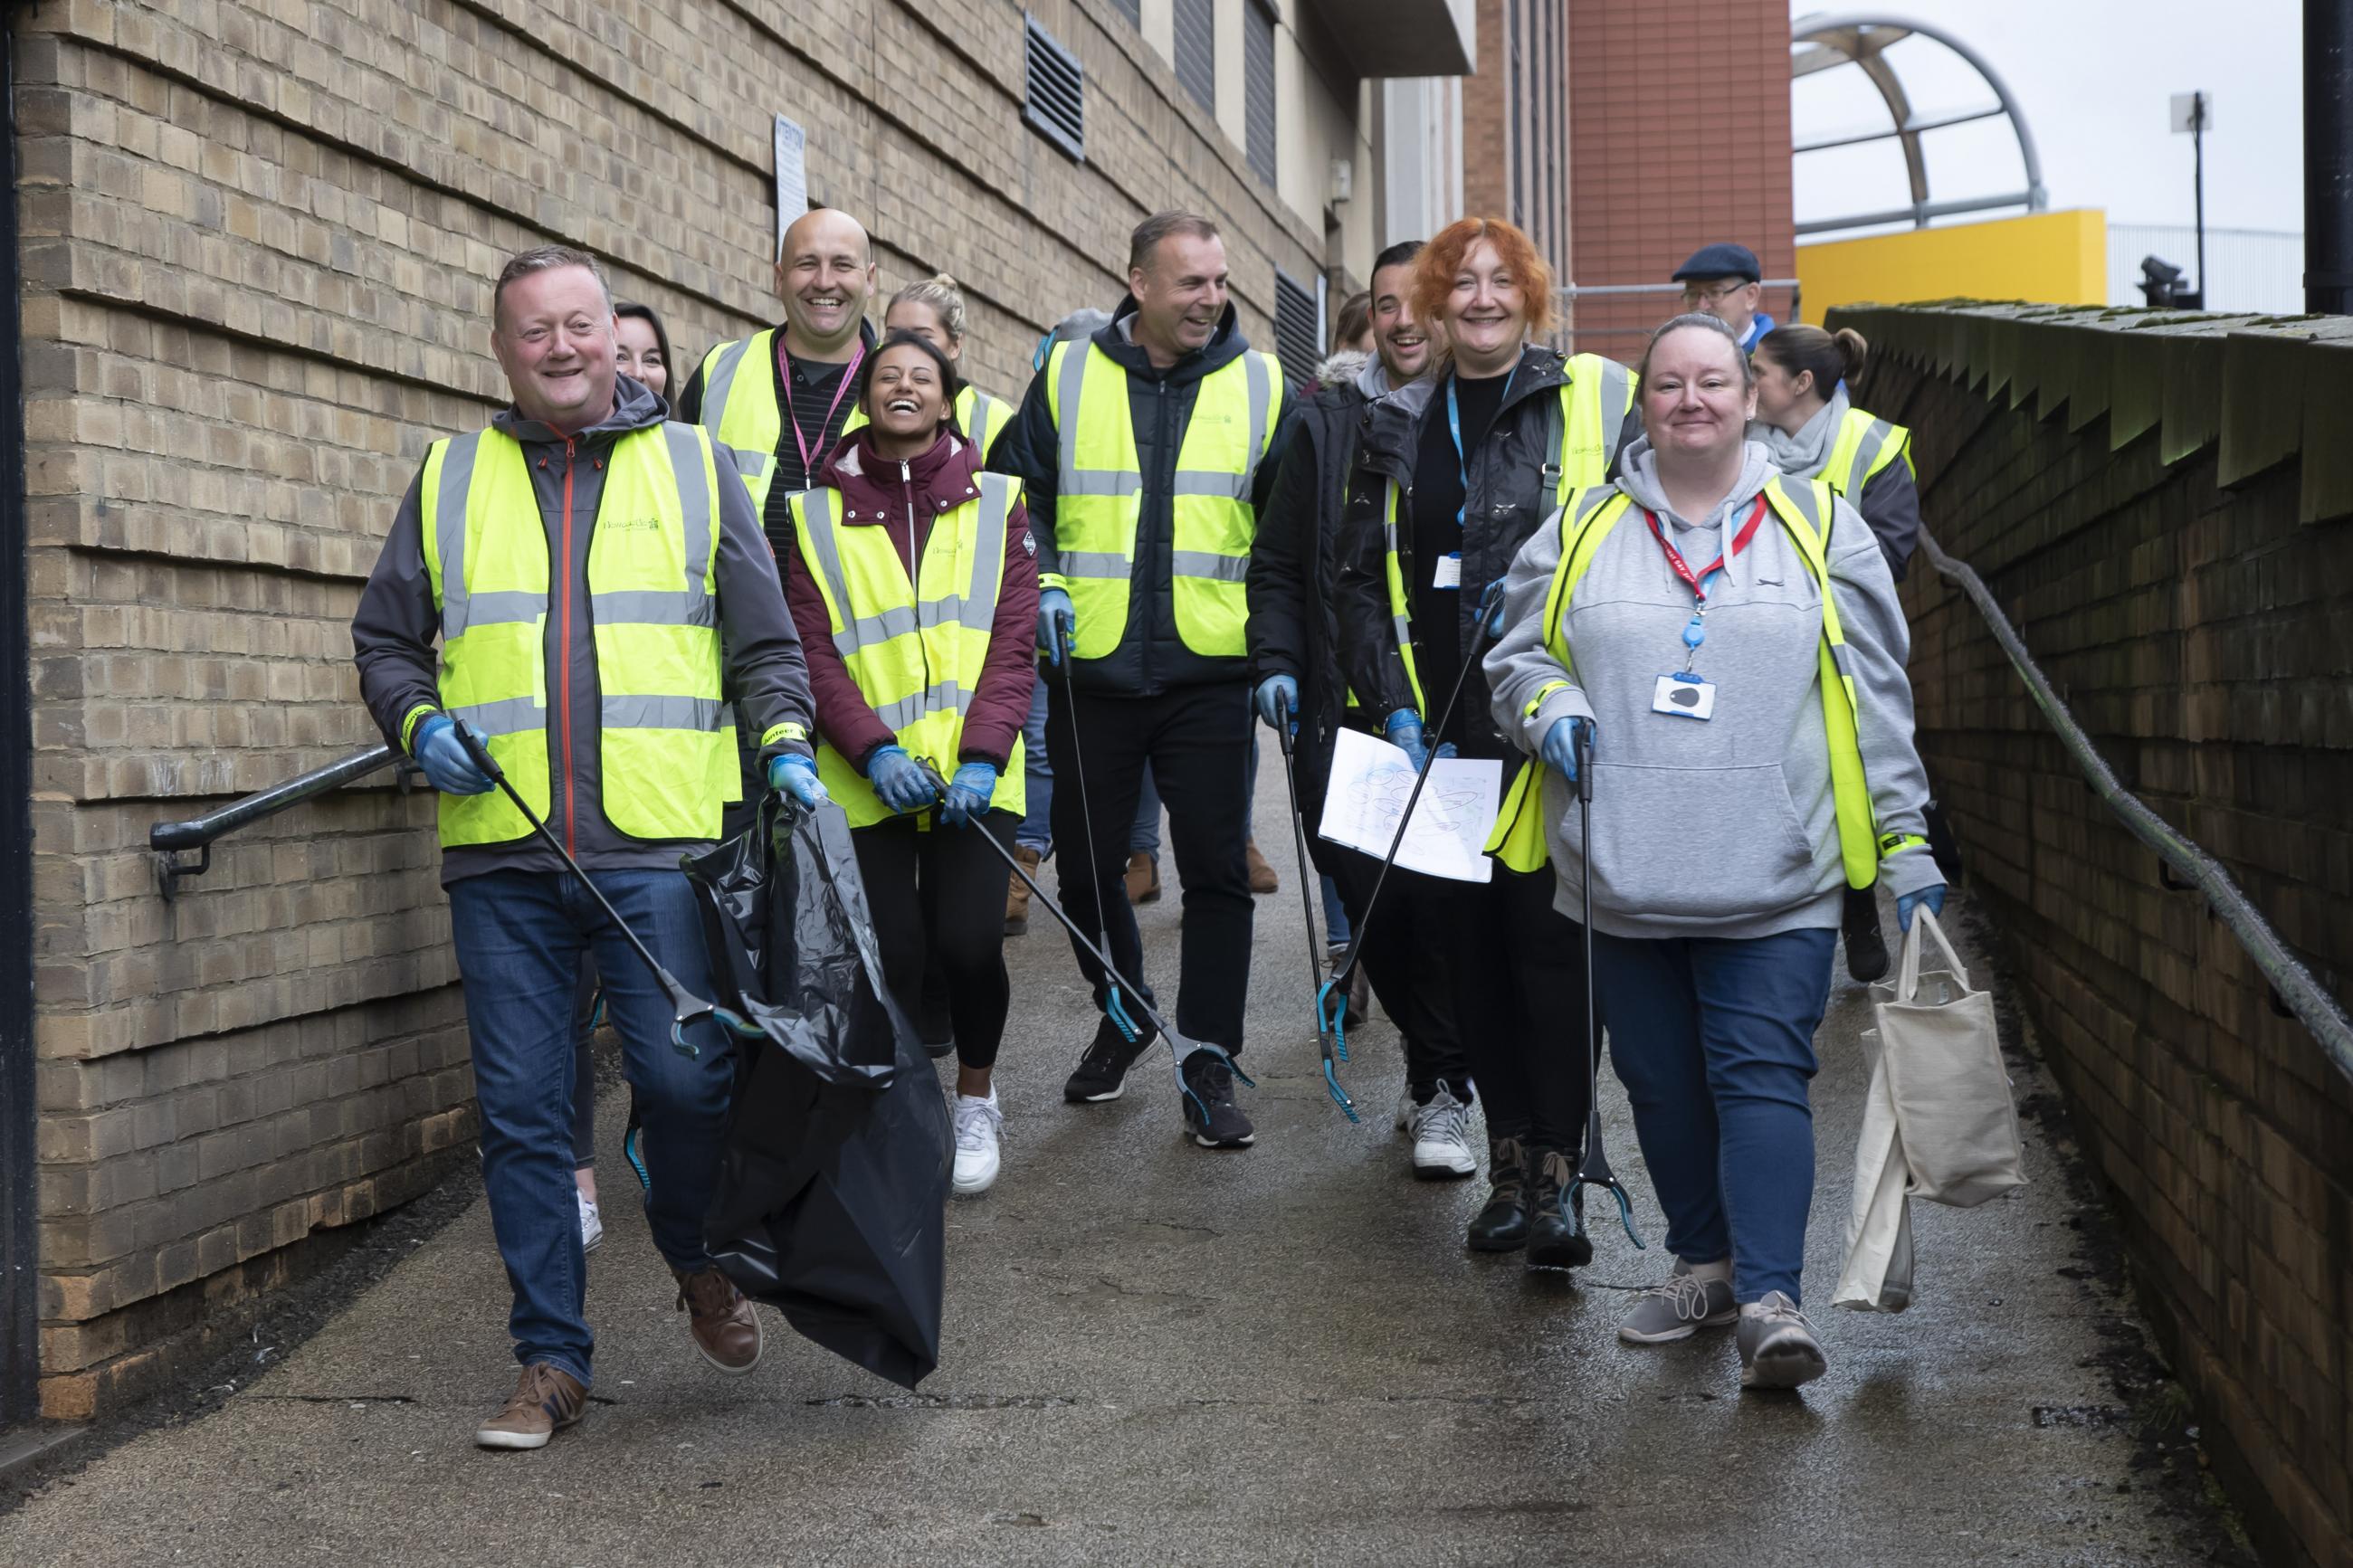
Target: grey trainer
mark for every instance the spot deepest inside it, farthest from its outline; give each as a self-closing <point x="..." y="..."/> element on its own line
<point x="1777" y="1348"/>
<point x="1691" y="1299"/>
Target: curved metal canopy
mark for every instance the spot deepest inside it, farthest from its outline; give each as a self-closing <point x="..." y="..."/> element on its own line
<point x="1826" y="43"/>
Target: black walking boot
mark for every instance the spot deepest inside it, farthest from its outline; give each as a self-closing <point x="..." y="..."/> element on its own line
<point x="1557" y="1237"/>
<point x="1503" y="1225"/>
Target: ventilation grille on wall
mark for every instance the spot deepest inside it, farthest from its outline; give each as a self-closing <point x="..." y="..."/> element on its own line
<point x="1196" y="50"/>
<point x="1056" y="104"/>
<point x="1257" y="87"/>
<point x="1298" y="328"/>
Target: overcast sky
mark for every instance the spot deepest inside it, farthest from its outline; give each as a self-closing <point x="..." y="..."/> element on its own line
<point x="2093" y="77"/>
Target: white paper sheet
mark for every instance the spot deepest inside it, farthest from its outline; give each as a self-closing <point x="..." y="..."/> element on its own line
<point x="1371" y="780"/>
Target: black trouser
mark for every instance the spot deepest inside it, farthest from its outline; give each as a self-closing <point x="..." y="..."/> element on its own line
<point x="939" y="896"/>
<point x="1517" y="967"/>
<point x="1398" y="954"/>
<point x="1197" y="741"/>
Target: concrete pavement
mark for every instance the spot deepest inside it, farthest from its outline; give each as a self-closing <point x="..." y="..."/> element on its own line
<point x="1155" y="1353"/>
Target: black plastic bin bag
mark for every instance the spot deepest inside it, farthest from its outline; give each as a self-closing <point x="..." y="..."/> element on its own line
<point x="831" y="1199"/>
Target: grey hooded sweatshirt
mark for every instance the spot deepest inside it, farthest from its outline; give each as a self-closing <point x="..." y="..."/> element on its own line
<point x="1725" y="828"/>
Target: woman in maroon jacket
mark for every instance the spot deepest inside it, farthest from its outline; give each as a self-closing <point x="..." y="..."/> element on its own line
<point x="902" y="546"/>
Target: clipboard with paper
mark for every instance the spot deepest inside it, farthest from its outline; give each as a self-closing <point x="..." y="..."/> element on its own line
<point x="1446" y="835"/>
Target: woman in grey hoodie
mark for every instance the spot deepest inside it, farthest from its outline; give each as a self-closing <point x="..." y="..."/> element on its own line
<point x="1751" y="748"/>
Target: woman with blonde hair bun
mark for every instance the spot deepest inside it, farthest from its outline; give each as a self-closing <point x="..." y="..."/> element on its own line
<point x="934" y="308"/>
<point x="1811" y="430"/>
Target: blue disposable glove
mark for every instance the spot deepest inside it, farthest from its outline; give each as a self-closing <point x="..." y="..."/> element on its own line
<point x="968" y="794"/>
<point x="1057" y="624"/>
<point x="795" y="775"/>
<point x="447" y="766"/>
<point x="1932" y="897"/>
<point x="1278" y="701"/>
<point x="1445" y="751"/>
<point x="899" y="783"/>
<point x="1560" y="744"/>
<point x="1491" y="609"/>
<point x="1403" y="729"/>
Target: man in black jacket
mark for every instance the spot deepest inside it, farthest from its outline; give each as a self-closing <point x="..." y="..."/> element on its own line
<point x="1145" y="453"/>
<point x="1294" y="655"/>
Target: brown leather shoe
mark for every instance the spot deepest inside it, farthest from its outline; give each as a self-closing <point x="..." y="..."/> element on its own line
<point x="725" y="1327"/>
<point x="1017" y="892"/>
<point x="1262" y="878"/>
<point x="547" y="1400"/>
<point x="1142" y="878"/>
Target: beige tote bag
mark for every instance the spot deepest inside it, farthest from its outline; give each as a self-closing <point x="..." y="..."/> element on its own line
<point x="1941" y="1057"/>
<point x="1878" y="1273"/>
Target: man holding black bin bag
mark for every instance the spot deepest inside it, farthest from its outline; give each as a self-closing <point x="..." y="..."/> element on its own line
<point x="596" y="575"/>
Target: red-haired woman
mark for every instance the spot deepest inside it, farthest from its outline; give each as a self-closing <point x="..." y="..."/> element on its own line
<point x="1454" y="473"/>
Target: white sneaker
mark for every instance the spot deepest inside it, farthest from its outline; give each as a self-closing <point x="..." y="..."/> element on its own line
<point x="978" y="1127"/>
<point x="1441" y="1138"/>
<point x="592" y="1223"/>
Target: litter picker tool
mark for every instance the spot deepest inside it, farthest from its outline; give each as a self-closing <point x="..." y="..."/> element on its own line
<point x="688" y="1008"/>
<point x="1329" y="1044"/>
<point x="1179" y="1045"/>
<point x="1594" y="1170"/>
<point x="1335" y="992"/>
<point x="1114" y="1009"/>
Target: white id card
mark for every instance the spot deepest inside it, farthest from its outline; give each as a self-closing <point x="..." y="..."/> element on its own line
<point x="1449" y="571"/>
<point x="1684" y="697"/>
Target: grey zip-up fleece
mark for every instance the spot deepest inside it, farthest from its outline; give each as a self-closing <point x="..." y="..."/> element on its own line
<point x="1726" y="827"/>
<point x="393" y="634"/>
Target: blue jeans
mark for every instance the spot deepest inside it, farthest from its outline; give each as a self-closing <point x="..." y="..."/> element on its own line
<point x="1337" y="930"/>
<point x="1714" y="1040"/>
<point x="520" y="937"/>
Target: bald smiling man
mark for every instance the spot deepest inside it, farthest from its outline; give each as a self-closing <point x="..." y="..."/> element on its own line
<point x="781" y="397"/>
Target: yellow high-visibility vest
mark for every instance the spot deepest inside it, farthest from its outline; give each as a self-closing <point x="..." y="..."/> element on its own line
<point x="981" y="417"/>
<point x="1594" y="401"/>
<point x="1804" y="512"/>
<point x="1865" y="445"/>
<point x="740" y="408"/>
<point x="668" y="759"/>
<point x="1101" y="497"/>
<point x="916" y="648"/>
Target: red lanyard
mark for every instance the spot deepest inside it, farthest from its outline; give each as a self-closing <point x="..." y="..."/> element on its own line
<point x="849" y="374"/>
<point x="1697" y="583"/>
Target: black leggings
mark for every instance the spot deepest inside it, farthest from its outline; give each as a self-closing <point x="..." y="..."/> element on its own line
<point x="938" y="897"/>
<point x="1518" y="969"/>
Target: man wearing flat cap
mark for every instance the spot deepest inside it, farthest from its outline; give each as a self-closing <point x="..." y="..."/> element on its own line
<point x="1724" y="281"/>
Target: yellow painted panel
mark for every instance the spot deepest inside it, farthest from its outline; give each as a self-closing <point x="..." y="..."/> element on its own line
<point x="2055" y="259"/>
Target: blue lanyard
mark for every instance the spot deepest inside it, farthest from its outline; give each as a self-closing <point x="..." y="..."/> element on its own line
<point x="1454" y="429"/>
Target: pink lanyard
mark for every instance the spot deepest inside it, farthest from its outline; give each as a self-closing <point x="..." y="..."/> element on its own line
<point x="849" y="374"/>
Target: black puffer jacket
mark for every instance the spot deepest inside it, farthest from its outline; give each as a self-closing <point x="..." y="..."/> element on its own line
<point x="1512" y="480"/>
<point x="1293" y="612"/>
<point x="1151" y="656"/>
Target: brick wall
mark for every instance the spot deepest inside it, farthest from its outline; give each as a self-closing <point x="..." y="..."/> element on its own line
<point x="257" y="240"/>
<point x="2163" y="508"/>
<point x="1679" y="135"/>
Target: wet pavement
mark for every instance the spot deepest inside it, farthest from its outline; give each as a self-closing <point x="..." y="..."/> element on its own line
<point x="1156" y="1354"/>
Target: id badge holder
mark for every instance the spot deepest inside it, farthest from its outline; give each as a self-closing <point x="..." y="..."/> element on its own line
<point x="1683" y="696"/>
<point x="1449" y="571"/>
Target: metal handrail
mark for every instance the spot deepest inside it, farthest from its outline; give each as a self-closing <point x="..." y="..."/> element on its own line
<point x="168" y="840"/>
<point x="2292" y="985"/>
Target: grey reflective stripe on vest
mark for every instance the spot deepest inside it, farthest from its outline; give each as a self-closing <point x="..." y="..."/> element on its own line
<point x="1210" y="564"/>
<point x="722" y="379"/>
<point x="1109" y="565"/>
<point x="945" y="695"/>
<point x="510" y="607"/>
<point x="450" y="533"/>
<point x="976" y="428"/>
<point x="510" y="716"/>
<point x="698" y="713"/>
<point x="1865" y="454"/>
<point x="816" y="509"/>
<point x="1615" y="388"/>
<point x="1068" y="382"/>
<point x="975" y="607"/>
<point x="1208" y="482"/>
<point x="1807" y="499"/>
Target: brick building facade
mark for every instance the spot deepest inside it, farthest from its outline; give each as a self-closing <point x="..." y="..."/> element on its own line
<point x="256" y="247"/>
<point x="2164" y="510"/>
